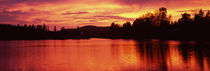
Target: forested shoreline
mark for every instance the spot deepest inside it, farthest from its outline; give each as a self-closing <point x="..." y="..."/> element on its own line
<point x="157" y="25"/>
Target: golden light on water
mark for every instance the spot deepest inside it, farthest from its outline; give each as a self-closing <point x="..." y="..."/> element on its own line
<point x="101" y="55"/>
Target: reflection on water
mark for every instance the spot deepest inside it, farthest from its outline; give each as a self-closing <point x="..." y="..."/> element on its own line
<point x="104" y="55"/>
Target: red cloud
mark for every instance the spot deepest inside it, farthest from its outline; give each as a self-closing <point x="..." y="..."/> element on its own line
<point x="70" y="13"/>
<point x="116" y="17"/>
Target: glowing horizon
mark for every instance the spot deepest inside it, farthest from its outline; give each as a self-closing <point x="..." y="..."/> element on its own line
<point x="70" y="13"/>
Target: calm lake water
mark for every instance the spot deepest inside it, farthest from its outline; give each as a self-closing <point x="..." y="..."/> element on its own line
<point x="104" y="55"/>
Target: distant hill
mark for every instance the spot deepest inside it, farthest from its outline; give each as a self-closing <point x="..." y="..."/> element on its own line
<point x="91" y="30"/>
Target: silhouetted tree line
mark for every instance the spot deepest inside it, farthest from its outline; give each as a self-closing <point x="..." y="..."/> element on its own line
<point x="158" y="25"/>
<point x="29" y="32"/>
<point x="23" y="32"/>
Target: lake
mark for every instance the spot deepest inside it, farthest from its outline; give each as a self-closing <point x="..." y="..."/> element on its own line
<point x="104" y="55"/>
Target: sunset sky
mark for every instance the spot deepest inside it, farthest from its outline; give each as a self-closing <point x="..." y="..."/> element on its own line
<point x="73" y="13"/>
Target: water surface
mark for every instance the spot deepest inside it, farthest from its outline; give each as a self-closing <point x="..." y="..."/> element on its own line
<point x="104" y="55"/>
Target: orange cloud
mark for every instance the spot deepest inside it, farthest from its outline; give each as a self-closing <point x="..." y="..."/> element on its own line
<point x="73" y="13"/>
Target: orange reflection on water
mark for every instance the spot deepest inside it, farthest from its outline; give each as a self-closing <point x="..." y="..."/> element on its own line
<point x="102" y="55"/>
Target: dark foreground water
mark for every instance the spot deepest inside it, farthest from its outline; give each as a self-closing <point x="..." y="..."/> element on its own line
<point x="104" y="55"/>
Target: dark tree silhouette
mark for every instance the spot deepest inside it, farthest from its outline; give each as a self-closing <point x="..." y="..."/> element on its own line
<point x="55" y="29"/>
<point x="158" y="25"/>
<point x="62" y="28"/>
<point x="155" y="25"/>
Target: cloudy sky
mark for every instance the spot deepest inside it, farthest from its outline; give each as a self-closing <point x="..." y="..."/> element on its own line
<point x="73" y="13"/>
